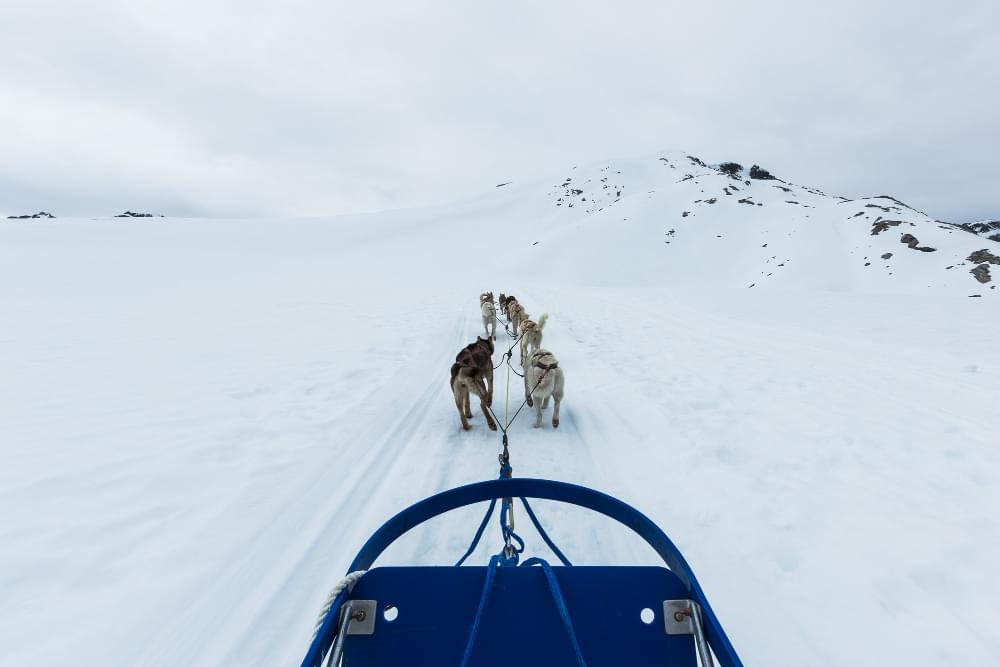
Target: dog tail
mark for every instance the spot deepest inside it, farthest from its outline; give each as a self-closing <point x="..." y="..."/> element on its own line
<point x="542" y="320"/>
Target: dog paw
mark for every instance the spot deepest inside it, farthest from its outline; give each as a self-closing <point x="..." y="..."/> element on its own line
<point x="555" y="423"/>
<point x="466" y="427"/>
<point x="531" y="403"/>
<point x="538" y="424"/>
<point x="493" y="426"/>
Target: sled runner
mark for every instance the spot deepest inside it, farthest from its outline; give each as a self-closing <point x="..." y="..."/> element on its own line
<point x="525" y="613"/>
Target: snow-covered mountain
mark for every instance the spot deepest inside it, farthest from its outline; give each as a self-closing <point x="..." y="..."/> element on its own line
<point x="676" y="219"/>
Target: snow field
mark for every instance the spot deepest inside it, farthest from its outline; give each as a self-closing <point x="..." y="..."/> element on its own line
<point x="202" y="421"/>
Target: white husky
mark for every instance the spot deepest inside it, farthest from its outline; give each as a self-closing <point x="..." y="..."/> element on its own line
<point x="489" y="318"/>
<point x="531" y="335"/>
<point x="543" y="378"/>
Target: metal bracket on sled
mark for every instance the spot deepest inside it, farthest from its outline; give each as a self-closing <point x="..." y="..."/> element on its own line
<point x="683" y="617"/>
<point x="357" y="617"/>
<point x="362" y="617"/>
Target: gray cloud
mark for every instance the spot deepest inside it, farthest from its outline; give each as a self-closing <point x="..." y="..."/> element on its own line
<point x="303" y="107"/>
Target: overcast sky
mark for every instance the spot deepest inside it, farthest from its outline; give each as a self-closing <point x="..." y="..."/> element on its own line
<point x="306" y="107"/>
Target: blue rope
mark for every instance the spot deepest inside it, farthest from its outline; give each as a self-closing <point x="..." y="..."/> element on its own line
<point x="491" y="573"/>
<point x="479" y="533"/>
<point x="560" y="605"/>
<point x="545" y="536"/>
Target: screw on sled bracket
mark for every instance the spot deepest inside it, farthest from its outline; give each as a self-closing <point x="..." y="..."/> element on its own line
<point x="683" y="617"/>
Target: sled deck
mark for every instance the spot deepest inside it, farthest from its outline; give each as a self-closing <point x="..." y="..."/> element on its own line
<point x="528" y="614"/>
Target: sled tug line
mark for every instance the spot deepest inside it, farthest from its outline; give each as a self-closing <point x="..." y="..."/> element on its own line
<point x="513" y="611"/>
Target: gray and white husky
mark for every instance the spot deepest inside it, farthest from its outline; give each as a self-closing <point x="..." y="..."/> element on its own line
<point x="543" y="378"/>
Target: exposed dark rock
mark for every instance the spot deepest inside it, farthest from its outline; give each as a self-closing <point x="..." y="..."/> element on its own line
<point x="711" y="201"/>
<point x="883" y="225"/>
<point x="500" y="185"/>
<point x="133" y="214"/>
<point x="685" y="214"/>
<point x="983" y="256"/>
<point x="31" y="216"/>
<point x="733" y="169"/>
<point x="782" y="187"/>
<point x="746" y="201"/>
<point x="988" y="228"/>
<point x="761" y="174"/>
<point x="911" y="242"/>
<point x="982" y="273"/>
<point x="887" y="255"/>
<point x="696" y="161"/>
<point x="576" y="191"/>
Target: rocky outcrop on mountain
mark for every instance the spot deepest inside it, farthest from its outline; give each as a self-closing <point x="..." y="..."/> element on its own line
<point x="988" y="228"/>
<point x="40" y="214"/>
<point x="731" y="169"/>
<point x="133" y="214"/>
<point x="761" y="174"/>
<point x="911" y="242"/>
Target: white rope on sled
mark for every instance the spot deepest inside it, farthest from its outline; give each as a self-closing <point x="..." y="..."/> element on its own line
<point x="347" y="583"/>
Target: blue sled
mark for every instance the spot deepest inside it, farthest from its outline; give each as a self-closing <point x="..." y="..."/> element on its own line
<point x="498" y="616"/>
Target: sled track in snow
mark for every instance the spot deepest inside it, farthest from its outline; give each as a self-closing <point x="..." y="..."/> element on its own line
<point x="422" y="451"/>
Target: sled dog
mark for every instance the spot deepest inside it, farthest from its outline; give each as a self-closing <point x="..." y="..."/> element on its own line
<point x="543" y="378"/>
<point x="531" y="335"/>
<point x="506" y="305"/>
<point x="472" y="373"/>
<point x="516" y="314"/>
<point x="489" y="318"/>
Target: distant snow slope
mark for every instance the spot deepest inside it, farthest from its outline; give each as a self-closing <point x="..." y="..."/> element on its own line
<point x="201" y="421"/>
<point x="676" y="220"/>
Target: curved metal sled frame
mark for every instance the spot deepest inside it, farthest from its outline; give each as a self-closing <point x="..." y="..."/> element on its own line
<point x="573" y="494"/>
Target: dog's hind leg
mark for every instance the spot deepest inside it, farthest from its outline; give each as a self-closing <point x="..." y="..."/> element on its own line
<point x="480" y="390"/>
<point x="527" y="392"/>
<point x="461" y="401"/>
<point x="489" y="385"/>
<point x="538" y="413"/>
<point x="557" y="396"/>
